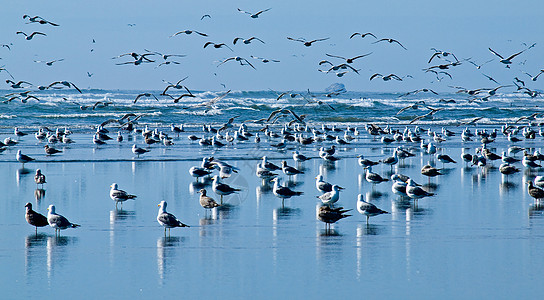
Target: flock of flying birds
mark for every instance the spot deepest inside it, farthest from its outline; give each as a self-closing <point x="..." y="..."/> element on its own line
<point x="337" y="64"/>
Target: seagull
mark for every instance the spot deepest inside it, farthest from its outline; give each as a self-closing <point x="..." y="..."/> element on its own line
<point x="348" y="60"/>
<point x="6" y="70"/>
<point x="168" y="220"/>
<point x="38" y="19"/>
<point x="307" y="43"/>
<point x="533" y="78"/>
<point x="300" y="157"/>
<point x="480" y="66"/>
<point x="363" y="162"/>
<point x="239" y="59"/>
<point x="118" y="195"/>
<point x="438" y="53"/>
<point x="373" y="178"/>
<point x="363" y="35"/>
<point x="138" y="151"/>
<point x="507" y="60"/>
<point x="64" y="83"/>
<point x="390" y="41"/>
<point x="247" y="41"/>
<point x="144" y="95"/>
<point x="188" y="32"/>
<point x="34" y="218"/>
<point x="198" y="172"/>
<point x="288" y="170"/>
<point x="368" y="209"/>
<point x="332" y="196"/>
<point x="205" y="16"/>
<point x="207" y="202"/>
<point x="491" y="78"/>
<point x="49" y="63"/>
<point x="51" y="150"/>
<point x="283" y="111"/>
<point x="39" y="178"/>
<point x="444" y="159"/>
<point x="29" y="37"/>
<point x="254" y="15"/>
<point x="283" y="192"/>
<point x="330" y="215"/>
<point x="415" y="192"/>
<point x="321" y="185"/>
<point x="58" y="222"/>
<point x="264" y="60"/>
<point x="222" y="189"/>
<point x="217" y="46"/>
<point x="17" y="85"/>
<point x="386" y="78"/>
<point x="23" y="158"/>
<point x="534" y="191"/>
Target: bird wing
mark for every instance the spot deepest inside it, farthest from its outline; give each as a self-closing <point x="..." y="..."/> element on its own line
<point x="230" y="58"/>
<point x="375" y="75"/>
<point x="318" y="40"/>
<point x="356" y="33"/>
<point x="291" y="39"/>
<point x="330" y="55"/>
<point x="75" y="87"/>
<point x="236" y="40"/>
<point x="380" y="40"/>
<point x="399" y="44"/>
<point x="360" y="56"/>
<point x="516" y="54"/>
<point x="495" y="53"/>
<point x="245" y="12"/>
<point x="433" y="56"/>
<point x="264" y="10"/>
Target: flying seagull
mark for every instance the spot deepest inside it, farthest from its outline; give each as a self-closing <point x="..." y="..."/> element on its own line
<point x="29" y="37"/>
<point x="390" y="41"/>
<point x="305" y="42"/>
<point x="254" y="15"/>
<point x="507" y="60"/>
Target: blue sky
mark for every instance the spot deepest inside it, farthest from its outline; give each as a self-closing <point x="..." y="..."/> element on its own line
<point x="466" y="28"/>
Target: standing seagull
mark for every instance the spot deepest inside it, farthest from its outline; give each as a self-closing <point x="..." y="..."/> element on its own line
<point x="330" y="215"/>
<point x="368" y="209"/>
<point x="137" y="150"/>
<point x="23" y="158"/>
<point x="118" y="195"/>
<point x="58" y="222"/>
<point x="39" y="178"/>
<point x="34" y="218"/>
<point x="168" y="220"/>
<point x="331" y="197"/>
<point x="206" y="201"/>
<point x="222" y="189"/>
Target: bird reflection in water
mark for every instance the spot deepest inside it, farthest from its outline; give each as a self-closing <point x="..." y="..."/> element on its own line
<point x="369" y="229"/>
<point x="507" y="186"/>
<point x="166" y="250"/>
<point x="33" y="244"/>
<point x="22" y="172"/>
<point x="196" y="186"/>
<point x="374" y="195"/>
<point x="431" y="187"/>
<point x="285" y="213"/>
<point x="39" y="194"/>
<point x="536" y="209"/>
<point x="56" y="250"/>
<point x="118" y="215"/>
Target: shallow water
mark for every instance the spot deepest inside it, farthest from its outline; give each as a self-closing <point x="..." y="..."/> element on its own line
<point x="481" y="236"/>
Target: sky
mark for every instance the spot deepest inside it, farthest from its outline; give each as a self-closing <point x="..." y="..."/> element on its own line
<point x="465" y="28"/>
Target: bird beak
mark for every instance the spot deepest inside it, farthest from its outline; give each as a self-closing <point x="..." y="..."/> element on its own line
<point x="158" y="205"/>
